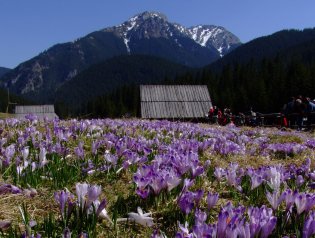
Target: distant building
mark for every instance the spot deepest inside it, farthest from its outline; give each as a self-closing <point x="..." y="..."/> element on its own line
<point x="174" y="101"/>
<point x="41" y="111"/>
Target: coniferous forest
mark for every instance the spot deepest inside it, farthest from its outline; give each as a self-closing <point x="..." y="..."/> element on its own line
<point x="262" y="83"/>
<point x="262" y="74"/>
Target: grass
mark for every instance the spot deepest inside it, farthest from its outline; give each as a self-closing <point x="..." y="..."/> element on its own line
<point x="119" y="189"/>
<point x="5" y="115"/>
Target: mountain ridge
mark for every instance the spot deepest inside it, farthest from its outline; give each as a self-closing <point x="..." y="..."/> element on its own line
<point x="266" y="46"/>
<point x="148" y="33"/>
<point x="3" y="71"/>
<point x="105" y="77"/>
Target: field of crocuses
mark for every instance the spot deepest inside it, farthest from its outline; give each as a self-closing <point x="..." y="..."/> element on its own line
<point x="136" y="178"/>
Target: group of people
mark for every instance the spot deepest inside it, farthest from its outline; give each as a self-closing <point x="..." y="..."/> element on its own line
<point x="217" y="116"/>
<point x="225" y="116"/>
<point x="299" y="111"/>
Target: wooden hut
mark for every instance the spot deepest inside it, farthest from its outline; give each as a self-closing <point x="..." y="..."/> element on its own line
<point x="41" y="111"/>
<point x="174" y="101"/>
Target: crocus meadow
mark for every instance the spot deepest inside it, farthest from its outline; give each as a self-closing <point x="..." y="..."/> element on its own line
<point x="140" y="178"/>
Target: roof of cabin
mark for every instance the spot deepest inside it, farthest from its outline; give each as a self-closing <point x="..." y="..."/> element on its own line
<point x="174" y="101"/>
<point x="41" y="111"/>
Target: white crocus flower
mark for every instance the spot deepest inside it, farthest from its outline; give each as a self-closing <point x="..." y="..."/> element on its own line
<point x="275" y="179"/>
<point x="141" y="218"/>
<point x="42" y="156"/>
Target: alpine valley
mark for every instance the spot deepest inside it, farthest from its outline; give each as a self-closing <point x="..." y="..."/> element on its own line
<point x="148" y="33"/>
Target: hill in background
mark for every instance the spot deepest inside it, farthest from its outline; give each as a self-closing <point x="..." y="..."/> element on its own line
<point x="103" y="79"/>
<point x="3" y="71"/>
<point x="148" y="33"/>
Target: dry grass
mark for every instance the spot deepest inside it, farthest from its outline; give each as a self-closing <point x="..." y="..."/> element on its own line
<point x="5" y="115"/>
<point x="38" y="206"/>
<point x="259" y="161"/>
<point x="121" y="185"/>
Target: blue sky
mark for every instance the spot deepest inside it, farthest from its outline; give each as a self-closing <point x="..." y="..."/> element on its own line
<point x="28" y="27"/>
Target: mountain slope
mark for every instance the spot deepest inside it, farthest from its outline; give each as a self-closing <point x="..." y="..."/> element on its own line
<point x="147" y="33"/>
<point x="3" y="71"/>
<point x="104" y="78"/>
<point x="39" y="77"/>
<point x="266" y="47"/>
<point x="256" y="76"/>
<point x="214" y="36"/>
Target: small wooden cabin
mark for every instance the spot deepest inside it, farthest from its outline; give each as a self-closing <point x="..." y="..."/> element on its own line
<point x="41" y="111"/>
<point x="174" y="101"/>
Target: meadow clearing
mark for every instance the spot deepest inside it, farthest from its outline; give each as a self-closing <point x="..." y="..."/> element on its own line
<point x="141" y="178"/>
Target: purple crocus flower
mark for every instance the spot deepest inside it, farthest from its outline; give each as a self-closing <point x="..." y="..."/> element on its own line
<point x="196" y="171"/>
<point x="267" y="229"/>
<point x="66" y="233"/>
<point x="261" y="221"/>
<point x="5" y="225"/>
<point x="205" y="230"/>
<point x="200" y="217"/>
<point x="198" y="196"/>
<point x="299" y="180"/>
<point x="172" y="181"/>
<point x="95" y="146"/>
<point x="300" y="202"/>
<point x="255" y="178"/>
<point x="83" y="235"/>
<point x="309" y="225"/>
<point x="312" y="175"/>
<point x="93" y="193"/>
<point x="310" y="202"/>
<point x="289" y="198"/>
<point x="187" y="184"/>
<point x="79" y="151"/>
<point x="63" y="198"/>
<point x="312" y="185"/>
<point x="111" y="159"/>
<point x="212" y="199"/>
<point x="184" y="231"/>
<point x="223" y="221"/>
<point x="219" y="173"/>
<point x="8" y="154"/>
<point x="143" y="192"/>
<point x="8" y="188"/>
<point x="157" y="184"/>
<point x="186" y="202"/>
<point x="275" y="199"/>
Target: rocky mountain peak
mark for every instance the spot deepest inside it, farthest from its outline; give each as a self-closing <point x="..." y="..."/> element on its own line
<point x="216" y="36"/>
<point x="145" y="25"/>
<point x="147" y="33"/>
<point x="148" y="25"/>
<point x="149" y="15"/>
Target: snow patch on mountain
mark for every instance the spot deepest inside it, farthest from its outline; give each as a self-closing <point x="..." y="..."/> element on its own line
<point x="201" y="34"/>
<point x="155" y="25"/>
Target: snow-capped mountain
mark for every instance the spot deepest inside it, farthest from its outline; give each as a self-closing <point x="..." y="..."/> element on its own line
<point x="148" y="33"/>
<point x="215" y="36"/>
<point x="155" y="25"/>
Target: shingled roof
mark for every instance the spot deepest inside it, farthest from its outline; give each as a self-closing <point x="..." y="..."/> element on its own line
<point x="174" y="101"/>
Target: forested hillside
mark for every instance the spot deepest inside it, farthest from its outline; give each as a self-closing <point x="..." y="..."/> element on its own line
<point x="3" y="71"/>
<point x="266" y="47"/>
<point x="264" y="81"/>
<point x="118" y="80"/>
